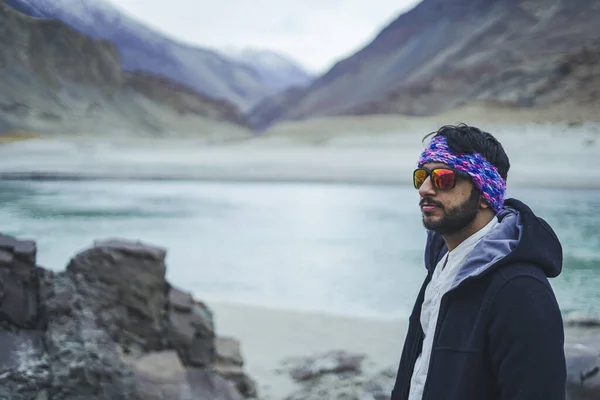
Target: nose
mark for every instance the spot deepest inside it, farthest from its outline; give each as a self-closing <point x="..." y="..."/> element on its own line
<point x="427" y="188"/>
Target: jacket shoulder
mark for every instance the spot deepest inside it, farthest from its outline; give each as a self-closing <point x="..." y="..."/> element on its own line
<point x="516" y="270"/>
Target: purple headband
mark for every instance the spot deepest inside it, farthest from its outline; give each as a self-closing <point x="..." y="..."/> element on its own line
<point x="484" y="175"/>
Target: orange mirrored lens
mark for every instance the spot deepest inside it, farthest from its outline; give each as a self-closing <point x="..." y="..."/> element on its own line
<point x="443" y="178"/>
<point x="419" y="177"/>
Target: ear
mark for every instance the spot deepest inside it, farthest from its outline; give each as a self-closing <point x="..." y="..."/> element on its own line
<point x="483" y="204"/>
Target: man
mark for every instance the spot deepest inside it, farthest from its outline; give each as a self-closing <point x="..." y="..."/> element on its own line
<point x="486" y="324"/>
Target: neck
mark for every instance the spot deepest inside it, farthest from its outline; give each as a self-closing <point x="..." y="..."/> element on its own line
<point x="453" y="240"/>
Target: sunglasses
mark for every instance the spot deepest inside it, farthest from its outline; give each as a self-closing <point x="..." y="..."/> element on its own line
<point x="441" y="178"/>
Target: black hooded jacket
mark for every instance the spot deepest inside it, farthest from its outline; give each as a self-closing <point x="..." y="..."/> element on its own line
<point x="500" y="332"/>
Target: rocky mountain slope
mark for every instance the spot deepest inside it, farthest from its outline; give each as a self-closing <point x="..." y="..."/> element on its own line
<point x="141" y="48"/>
<point x="443" y="54"/>
<point x="55" y="79"/>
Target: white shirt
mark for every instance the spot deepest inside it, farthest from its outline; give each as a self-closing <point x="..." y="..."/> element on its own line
<point x="441" y="281"/>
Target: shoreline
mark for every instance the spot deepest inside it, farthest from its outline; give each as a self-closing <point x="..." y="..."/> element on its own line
<point x="378" y="151"/>
<point x="270" y="336"/>
<point x="530" y="182"/>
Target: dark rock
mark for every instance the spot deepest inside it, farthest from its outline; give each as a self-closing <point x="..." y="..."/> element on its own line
<point x="24" y="367"/>
<point x="160" y="376"/>
<point x="19" y="303"/>
<point x="582" y="320"/>
<point x="106" y="329"/>
<point x="18" y="296"/>
<point x="230" y="364"/>
<point x="338" y="386"/>
<point x="6" y="257"/>
<point x="334" y="362"/>
<point x="192" y="331"/>
<point x="83" y="360"/>
<point x="229" y="351"/>
<point x="180" y="301"/>
<point x="583" y="372"/>
<point x="24" y="250"/>
<point x="206" y="384"/>
<point x="126" y="287"/>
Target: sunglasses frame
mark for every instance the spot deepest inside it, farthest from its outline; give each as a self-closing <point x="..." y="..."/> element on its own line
<point x="430" y="171"/>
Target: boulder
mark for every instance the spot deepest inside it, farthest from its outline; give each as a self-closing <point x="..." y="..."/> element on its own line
<point x="83" y="360"/>
<point x="124" y="283"/>
<point x="191" y="329"/>
<point x="337" y="375"/>
<point x="229" y="363"/>
<point x="19" y="302"/>
<point x="205" y="383"/>
<point x="229" y="351"/>
<point x="583" y="372"/>
<point x="333" y="362"/>
<point x="24" y="367"/>
<point x="160" y="376"/>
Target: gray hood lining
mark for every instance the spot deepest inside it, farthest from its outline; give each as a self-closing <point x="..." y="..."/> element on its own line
<point x="493" y="247"/>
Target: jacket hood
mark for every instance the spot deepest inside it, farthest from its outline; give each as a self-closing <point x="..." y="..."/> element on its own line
<point x="519" y="237"/>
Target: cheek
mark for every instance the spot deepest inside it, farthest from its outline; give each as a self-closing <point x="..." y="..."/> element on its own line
<point x="458" y="196"/>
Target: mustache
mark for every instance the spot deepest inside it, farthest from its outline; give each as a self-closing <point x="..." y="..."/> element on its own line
<point x="429" y="202"/>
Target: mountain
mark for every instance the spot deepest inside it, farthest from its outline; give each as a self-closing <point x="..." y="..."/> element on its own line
<point x="442" y="54"/>
<point x="56" y="79"/>
<point x="278" y="72"/>
<point x="144" y="49"/>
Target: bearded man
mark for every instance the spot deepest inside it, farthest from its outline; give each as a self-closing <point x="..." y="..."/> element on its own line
<point x="486" y="324"/>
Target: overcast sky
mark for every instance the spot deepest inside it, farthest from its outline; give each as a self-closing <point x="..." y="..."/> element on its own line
<point x="315" y="33"/>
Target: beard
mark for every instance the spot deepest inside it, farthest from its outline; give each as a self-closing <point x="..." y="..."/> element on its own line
<point x="454" y="219"/>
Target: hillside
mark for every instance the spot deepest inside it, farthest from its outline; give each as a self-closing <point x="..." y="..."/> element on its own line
<point x="443" y="54"/>
<point x="142" y="48"/>
<point x="55" y="79"/>
<point x="278" y="71"/>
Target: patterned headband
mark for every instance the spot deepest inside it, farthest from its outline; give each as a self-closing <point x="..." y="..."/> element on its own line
<point x="484" y="175"/>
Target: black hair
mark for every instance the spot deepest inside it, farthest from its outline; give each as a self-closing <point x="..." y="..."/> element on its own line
<point x="465" y="139"/>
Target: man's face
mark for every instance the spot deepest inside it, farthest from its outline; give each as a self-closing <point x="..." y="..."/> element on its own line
<point x="451" y="210"/>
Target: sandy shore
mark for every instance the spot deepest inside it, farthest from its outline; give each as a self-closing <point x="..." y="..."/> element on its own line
<point x="268" y="336"/>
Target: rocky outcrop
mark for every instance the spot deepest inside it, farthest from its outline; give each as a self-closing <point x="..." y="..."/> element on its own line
<point x="109" y="327"/>
<point x="56" y="79"/>
<point x="444" y="54"/>
<point x="125" y="288"/>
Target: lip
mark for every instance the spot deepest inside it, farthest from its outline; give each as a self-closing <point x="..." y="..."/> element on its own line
<point x="428" y="208"/>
